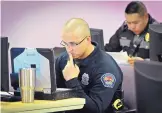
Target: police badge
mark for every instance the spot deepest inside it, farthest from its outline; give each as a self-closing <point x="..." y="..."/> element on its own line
<point x="85" y="79"/>
<point x="147" y="37"/>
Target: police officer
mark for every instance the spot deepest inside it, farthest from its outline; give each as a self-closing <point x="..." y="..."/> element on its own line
<point x="133" y="36"/>
<point x="87" y="69"/>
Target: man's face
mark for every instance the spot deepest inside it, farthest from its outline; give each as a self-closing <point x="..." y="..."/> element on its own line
<point x="75" y="45"/>
<point x="136" y="23"/>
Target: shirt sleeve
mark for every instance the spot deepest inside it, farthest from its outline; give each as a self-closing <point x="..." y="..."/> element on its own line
<point x="101" y="94"/>
<point x="114" y="43"/>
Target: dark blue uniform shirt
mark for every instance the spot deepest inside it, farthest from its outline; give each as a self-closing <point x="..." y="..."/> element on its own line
<point x="98" y="80"/>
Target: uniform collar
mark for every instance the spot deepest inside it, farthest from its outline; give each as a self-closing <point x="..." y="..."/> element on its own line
<point x="85" y="61"/>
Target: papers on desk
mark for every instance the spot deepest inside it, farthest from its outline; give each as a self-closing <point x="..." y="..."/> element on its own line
<point x="5" y="93"/>
<point x="119" y="57"/>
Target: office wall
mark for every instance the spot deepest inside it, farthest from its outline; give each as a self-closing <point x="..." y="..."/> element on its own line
<point x="38" y="24"/>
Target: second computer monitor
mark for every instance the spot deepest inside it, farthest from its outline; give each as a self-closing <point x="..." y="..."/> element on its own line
<point x="97" y="36"/>
<point x="148" y="82"/>
<point x="155" y="42"/>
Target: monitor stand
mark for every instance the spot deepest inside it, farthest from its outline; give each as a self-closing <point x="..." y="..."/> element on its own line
<point x="160" y="58"/>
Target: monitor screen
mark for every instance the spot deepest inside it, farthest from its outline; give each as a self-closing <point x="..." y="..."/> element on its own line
<point x="148" y="82"/>
<point x="4" y="64"/>
<point x="97" y="36"/>
<point x="58" y="51"/>
<point x="155" y="42"/>
<point x="40" y="58"/>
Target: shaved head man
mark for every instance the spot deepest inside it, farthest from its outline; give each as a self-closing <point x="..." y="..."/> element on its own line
<point x="84" y="67"/>
<point x="76" y="38"/>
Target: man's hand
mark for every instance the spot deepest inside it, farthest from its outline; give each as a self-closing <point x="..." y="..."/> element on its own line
<point x="70" y="71"/>
<point x="131" y="60"/>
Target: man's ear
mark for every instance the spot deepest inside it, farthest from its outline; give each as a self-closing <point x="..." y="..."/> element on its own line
<point x="146" y="15"/>
<point x="89" y="39"/>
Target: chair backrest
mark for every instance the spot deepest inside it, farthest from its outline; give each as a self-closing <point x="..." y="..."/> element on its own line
<point x="129" y="86"/>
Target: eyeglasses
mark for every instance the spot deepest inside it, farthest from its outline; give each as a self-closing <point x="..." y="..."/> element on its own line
<point x="73" y="44"/>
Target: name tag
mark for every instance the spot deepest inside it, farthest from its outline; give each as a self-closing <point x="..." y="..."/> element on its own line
<point x="125" y="42"/>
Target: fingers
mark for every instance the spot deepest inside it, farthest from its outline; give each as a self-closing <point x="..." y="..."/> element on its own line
<point x="131" y="60"/>
<point x="76" y="67"/>
<point x="68" y="63"/>
<point x="70" y="55"/>
<point x="71" y="59"/>
<point x="138" y="58"/>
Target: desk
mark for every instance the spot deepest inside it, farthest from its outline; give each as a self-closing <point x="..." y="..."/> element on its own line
<point x="43" y="106"/>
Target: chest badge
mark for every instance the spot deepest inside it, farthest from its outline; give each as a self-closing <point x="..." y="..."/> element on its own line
<point x="147" y="37"/>
<point x="85" y="79"/>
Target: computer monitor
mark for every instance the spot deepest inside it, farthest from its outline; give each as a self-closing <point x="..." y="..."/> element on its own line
<point x="58" y="51"/>
<point x="148" y="85"/>
<point x="155" y="42"/>
<point x="40" y="58"/>
<point x="97" y="36"/>
<point x="4" y="64"/>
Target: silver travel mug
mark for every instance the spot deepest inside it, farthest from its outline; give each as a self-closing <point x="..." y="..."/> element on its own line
<point x="27" y="81"/>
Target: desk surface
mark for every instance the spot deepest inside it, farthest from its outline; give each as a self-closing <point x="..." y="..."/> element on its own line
<point x="43" y="106"/>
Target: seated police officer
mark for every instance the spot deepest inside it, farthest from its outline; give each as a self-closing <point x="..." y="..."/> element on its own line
<point x="133" y="36"/>
<point x="87" y="69"/>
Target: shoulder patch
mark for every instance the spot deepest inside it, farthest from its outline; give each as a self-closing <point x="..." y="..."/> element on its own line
<point x="108" y="80"/>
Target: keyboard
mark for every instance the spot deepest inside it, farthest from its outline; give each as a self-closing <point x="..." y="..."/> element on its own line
<point x="8" y="98"/>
